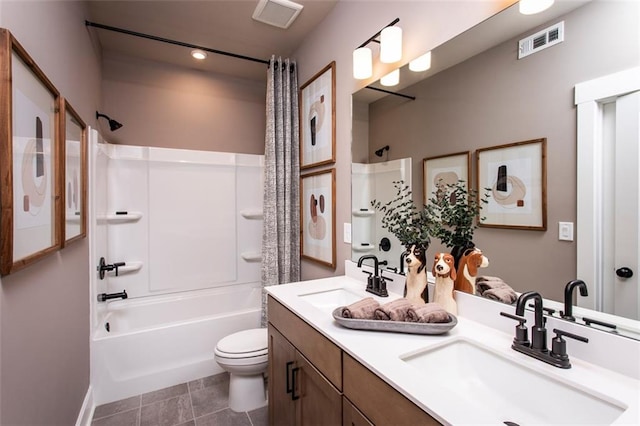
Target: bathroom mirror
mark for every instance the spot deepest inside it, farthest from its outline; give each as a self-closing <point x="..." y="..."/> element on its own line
<point x="478" y="95"/>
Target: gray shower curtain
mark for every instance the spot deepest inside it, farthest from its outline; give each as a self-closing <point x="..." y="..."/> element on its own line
<point x="281" y="204"/>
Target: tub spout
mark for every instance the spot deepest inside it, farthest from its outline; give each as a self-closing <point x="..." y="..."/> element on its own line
<point x="103" y="297"/>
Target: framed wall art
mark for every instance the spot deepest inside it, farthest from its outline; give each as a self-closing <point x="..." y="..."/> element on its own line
<point x="29" y="142"/>
<point x="318" y="119"/>
<point x="516" y="176"/>
<point x="318" y="217"/>
<point x="73" y="133"/>
<point x="438" y="172"/>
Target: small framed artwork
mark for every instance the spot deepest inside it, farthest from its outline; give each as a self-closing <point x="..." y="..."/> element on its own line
<point x="318" y="119"/>
<point x="438" y="172"/>
<point x="318" y="216"/>
<point x="29" y="142"/>
<point x="516" y="176"/>
<point x="74" y="156"/>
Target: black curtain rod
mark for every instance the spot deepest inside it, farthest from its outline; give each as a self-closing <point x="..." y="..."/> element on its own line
<point x="174" y="42"/>
<point x="395" y="21"/>
<point x="413" y="98"/>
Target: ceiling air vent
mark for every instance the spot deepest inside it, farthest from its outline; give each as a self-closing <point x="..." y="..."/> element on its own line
<point x="541" y="40"/>
<point x="279" y="13"/>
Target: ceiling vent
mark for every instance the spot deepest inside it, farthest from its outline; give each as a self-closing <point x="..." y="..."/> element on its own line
<point x="279" y="13"/>
<point x="541" y="40"/>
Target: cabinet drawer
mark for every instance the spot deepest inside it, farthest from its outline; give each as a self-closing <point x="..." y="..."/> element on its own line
<point x="319" y="350"/>
<point x="378" y="401"/>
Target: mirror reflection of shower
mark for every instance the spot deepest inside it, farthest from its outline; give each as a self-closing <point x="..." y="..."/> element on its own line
<point x="374" y="181"/>
<point x="380" y="151"/>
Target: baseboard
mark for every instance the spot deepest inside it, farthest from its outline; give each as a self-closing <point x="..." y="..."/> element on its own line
<point x="86" y="412"/>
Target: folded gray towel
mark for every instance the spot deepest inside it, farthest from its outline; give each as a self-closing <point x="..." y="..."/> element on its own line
<point x="396" y="310"/>
<point x="495" y="288"/>
<point x="362" y="309"/>
<point x="429" y="313"/>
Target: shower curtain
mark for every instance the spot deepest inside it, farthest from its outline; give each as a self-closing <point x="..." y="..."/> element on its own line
<point x="281" y="205"/>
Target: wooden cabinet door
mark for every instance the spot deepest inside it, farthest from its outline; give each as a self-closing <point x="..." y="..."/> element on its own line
<point x="282" y="357"/>
<point x="319" y="402"/>
<point x="351" y="416"/>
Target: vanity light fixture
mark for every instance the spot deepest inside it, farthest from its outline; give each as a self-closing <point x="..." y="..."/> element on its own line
<point x="531" y="7"/>
<point x="390" y="40"/>
<point x="391" y="45"/>
<point x="391" y="79"/>
<point x="198" y="54"/>
<point x="421" y="63"/>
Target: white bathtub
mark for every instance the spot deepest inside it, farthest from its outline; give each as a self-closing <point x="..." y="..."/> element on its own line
<point x="166" y="340"/>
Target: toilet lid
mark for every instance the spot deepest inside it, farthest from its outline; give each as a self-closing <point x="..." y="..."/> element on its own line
<point x="245" y="341"/>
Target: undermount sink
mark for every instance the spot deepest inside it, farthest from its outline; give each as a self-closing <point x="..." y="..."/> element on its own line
<point x="328" y="300"/>
<point x="495" y="389"/>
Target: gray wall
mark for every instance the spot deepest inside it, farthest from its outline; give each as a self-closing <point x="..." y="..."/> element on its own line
<point x="425" y="24"/>
<point x="44" y="309"/>
<point x="173" y="107"/>
<point x="494" y="99"/>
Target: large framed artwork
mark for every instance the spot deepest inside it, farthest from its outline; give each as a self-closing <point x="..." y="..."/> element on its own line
<point x="516" y="176"/>
<point x="74" y="164"/>
<point x="318" y="119"/>
<point x="318" y="217"/>
<point x="443" y="170"/>
<point x="29" y="142"/>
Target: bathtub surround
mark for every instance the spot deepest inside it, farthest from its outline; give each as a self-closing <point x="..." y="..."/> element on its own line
<point x="188" y="284"/>
<point x="281" y="236"/>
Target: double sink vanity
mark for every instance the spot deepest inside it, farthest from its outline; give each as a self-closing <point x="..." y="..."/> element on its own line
<point x="323" y="373"/>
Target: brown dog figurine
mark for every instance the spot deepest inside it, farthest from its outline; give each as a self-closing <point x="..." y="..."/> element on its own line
<point x="468" y="267"/>
<point x="416" y="289"/>
<point x="445" y="274"/>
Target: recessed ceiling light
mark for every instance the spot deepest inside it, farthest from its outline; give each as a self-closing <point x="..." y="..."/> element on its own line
<point x="198" y="54"/>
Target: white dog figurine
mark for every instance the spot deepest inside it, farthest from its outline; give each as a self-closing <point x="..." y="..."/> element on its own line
<point x="445" y="274"/>
<point x="415" y="288"/>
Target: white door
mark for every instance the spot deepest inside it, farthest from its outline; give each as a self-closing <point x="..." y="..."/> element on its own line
<point x="622" y="276"/>
<point x="608" y="218"/>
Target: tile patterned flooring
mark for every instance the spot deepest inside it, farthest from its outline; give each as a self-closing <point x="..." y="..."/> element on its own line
<point x="202" y="402"/>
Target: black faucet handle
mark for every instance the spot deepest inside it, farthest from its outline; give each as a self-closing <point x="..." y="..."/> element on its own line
<point x="522" y="335"/>
<point x="560" y="333"/>
<point x="559" y="346"/>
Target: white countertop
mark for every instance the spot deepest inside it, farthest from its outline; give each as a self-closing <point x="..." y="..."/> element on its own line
<point x="381" y="352"/>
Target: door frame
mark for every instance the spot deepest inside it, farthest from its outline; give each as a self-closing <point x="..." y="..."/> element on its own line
<point x="590" y="97"/>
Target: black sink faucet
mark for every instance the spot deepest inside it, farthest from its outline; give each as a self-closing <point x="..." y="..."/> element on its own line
<point x="375" y="263"/>
<point x="538" y="347"/>
<point x="568" y="297"/>
<point x="376" y="283"/>
<point x="538" y="332"/>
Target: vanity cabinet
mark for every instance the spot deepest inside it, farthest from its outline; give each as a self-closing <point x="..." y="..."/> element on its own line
<point x="312" y="381"/>
<point x="300" y="365"/>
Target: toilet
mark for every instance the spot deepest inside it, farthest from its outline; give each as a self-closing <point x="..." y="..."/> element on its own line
<point x="244" y="356"/>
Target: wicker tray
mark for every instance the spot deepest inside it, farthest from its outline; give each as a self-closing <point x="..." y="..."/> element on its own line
<point x="394" y="326"/>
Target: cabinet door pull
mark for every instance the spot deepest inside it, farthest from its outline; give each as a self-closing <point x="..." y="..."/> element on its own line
<point x="294" y="374"/>
<point x="289" y="384"/>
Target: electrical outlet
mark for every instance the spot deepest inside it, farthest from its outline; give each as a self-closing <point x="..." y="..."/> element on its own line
<point x="347" y="233"/>
<point x="565" y="231"/>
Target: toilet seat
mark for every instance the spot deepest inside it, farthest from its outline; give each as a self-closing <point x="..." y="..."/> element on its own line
<point x="244" y="344"/>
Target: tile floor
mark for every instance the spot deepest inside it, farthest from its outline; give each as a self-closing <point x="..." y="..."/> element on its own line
<point x="202" y="402"/>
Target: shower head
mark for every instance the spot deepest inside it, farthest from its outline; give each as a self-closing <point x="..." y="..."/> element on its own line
<point x="382" y="150"/>
<point x="113" y="124"/>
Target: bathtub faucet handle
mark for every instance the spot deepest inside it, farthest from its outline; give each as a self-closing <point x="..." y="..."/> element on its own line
<point x="103" y="297"/>
<point x="117" y="265"/>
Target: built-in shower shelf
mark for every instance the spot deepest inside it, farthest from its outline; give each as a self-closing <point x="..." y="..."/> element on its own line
<point x="251" y="256"/>
<point x="123" y="217"/>
<point x="252" y="214"/>
<point x="362" y="248"/>
<point x="363" y="213"/>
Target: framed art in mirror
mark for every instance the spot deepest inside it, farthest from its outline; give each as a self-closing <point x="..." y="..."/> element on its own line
<point x="443" y="170"/>
<point x="74" y="191"/>
<point x="318" y="217"/>
<point x="29" y="141"/>
<point x="517" y="177"/>
<point x="318" y="119"/>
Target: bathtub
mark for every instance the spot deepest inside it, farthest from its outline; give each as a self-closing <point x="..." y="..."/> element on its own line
<point x="160" y="341"/>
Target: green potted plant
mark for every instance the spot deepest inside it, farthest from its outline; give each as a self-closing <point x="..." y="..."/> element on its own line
<point x="453" y="210"/>
<point x="402" y="218"/>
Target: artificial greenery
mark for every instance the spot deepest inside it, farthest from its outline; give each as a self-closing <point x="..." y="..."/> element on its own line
<point x="453" y="211"/>
<point x="403" y="219"/>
